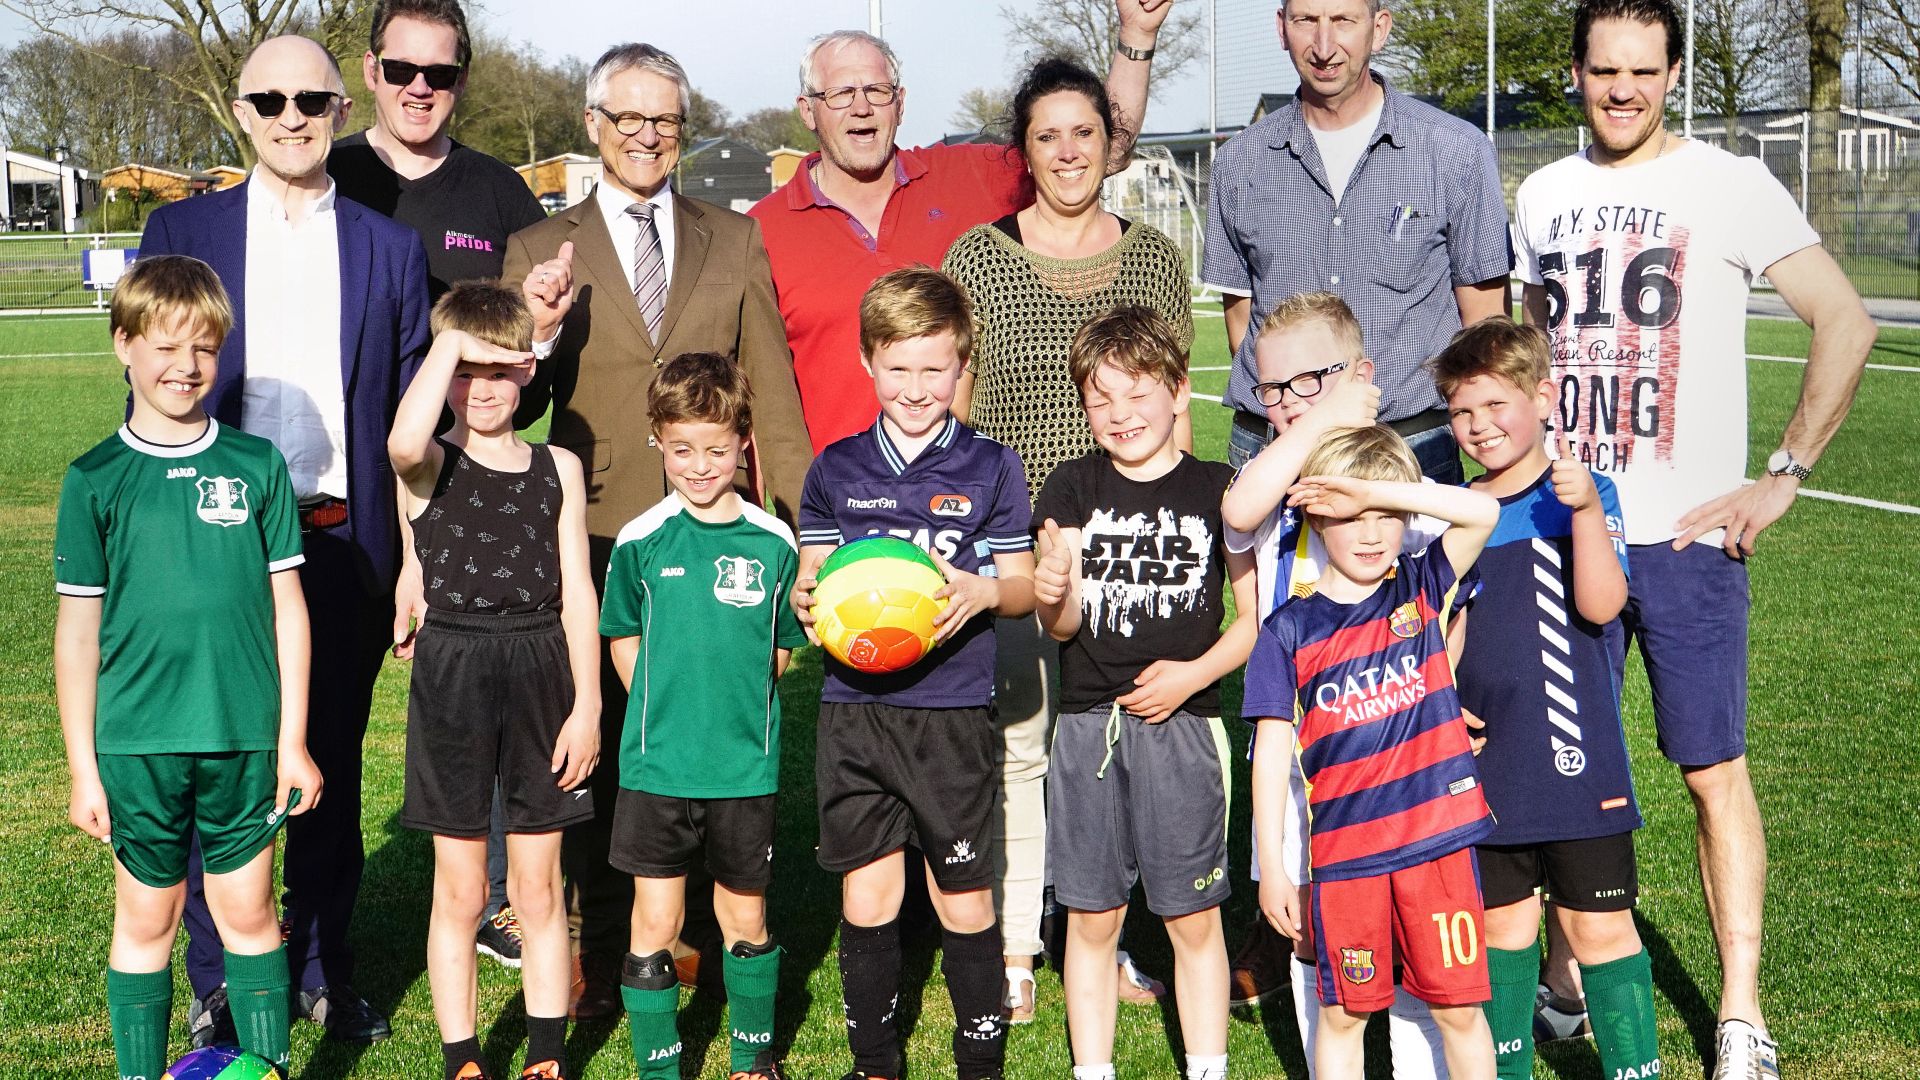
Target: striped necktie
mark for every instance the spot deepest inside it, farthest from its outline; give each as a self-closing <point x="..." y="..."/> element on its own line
<point x="649" y="270"/>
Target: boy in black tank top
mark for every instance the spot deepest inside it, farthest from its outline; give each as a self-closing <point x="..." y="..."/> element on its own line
<point x="506" y="666"/>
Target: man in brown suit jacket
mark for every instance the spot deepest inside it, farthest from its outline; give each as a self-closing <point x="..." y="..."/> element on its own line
<point x="620" y="283"/>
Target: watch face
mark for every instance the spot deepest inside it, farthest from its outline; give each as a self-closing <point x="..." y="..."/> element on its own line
<point x="1778" y="463"/>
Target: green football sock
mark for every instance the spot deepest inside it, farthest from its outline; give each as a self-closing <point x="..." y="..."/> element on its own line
<point x="653" y="1024"/>
<point x="257" y="994"/>
<point x="751" y="984"/>
<point x="139" y="1007"/>
<point x="1620" y="1007"/>
<point x="1514" y="974"/>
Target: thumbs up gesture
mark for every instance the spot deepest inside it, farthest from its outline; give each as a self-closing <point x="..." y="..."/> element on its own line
<point x="1572" y="483"/>
<point x="1053" y="574"/>
<point x="548" y="290"/>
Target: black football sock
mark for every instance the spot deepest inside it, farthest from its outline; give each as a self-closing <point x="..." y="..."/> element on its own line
<point x="975" y="971"/>
<point x="870" y="988"/>
<point x="464" y="1060"/>
<point x="546" y="1047"/>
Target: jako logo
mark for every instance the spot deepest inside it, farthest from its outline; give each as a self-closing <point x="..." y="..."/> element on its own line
<point x="962" y="852"/>
<point x="673" y="571"/>
<point x="664" y="1053"/>
<point x="756" y="1038"/>
<point x="955" y="506"/>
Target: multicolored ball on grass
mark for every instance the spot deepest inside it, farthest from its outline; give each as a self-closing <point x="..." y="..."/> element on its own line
<point x="873" y="606"/>
<point x="221" y="1063"/>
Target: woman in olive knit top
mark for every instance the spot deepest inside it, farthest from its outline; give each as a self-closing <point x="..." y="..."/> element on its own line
<point x="1035" y="278"/>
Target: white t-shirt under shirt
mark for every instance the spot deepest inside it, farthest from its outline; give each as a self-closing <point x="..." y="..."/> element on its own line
<point x="1341" y="150"/>
<point x="1648" y="266"/>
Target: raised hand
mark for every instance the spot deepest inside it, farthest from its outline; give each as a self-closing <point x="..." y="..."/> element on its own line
<point x="548" y="290"/>
<point x="1330" y="496"/>
<point x="1053" y="574"/>
<point x="1143" y="16"/>
<point x="1349" y="403"/>
<point x="1572" y="482"/>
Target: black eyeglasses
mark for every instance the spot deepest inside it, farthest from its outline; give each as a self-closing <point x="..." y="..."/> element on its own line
<point x="271" y="103"/>
<point x="402" y="72"/>
<point x="631" y="123"/>
<point x="839" y="97"/>
<point x="1304" y="385"/>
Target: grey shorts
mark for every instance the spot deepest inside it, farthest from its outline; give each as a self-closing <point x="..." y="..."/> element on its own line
<point x="1129" y="801"/>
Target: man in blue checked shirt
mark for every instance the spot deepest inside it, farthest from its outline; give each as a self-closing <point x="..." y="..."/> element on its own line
<point x="1362" y="191"/>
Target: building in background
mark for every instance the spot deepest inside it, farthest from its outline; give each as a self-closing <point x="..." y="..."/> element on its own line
<point x="44" y="194"/>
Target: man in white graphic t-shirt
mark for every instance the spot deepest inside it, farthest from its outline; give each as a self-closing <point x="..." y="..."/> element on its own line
<point x="1637" y="255"/>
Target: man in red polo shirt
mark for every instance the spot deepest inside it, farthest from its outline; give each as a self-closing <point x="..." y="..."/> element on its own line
<point x="862" y="206"/>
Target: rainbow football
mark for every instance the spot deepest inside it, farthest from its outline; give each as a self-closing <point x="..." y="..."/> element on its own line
<point x="221" y="1063"/>
<point x="873" y="606"/>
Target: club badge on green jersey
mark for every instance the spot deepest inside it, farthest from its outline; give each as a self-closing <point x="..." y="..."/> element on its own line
<point x="739" y="581"/>
<point x="223" y="500"/>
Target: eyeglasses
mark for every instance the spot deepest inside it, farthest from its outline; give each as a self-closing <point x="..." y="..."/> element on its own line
<point x="402" y="73"/>
<point x="631" y="123"/>
<point x="839" y="97"/>
<point x="271" y="103"/>
<point x="1304" y="385"/>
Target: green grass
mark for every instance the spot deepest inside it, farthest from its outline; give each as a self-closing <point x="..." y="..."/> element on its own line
<point x="1833" y="674"/>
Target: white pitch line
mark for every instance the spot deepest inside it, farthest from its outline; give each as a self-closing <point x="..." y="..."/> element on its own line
<point x="1204" y="397"/>
<point x="1802" y="360"/>
<point x="1855" y="500"/>
<point x="51" y="355"/>
<point x="1222" y="367"/>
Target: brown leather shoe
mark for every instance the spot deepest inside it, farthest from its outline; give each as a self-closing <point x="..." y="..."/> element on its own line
<point x="686" y="965"/>
<point x="1260" y="969"/>
<point x="596" y="987"/>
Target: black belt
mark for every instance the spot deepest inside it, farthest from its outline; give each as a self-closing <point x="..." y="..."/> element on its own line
<point x="1408" y="426"/>
<point x="325" y="513"/>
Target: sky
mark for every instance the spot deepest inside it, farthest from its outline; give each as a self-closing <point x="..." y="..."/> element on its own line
<point x="745" y="53"/>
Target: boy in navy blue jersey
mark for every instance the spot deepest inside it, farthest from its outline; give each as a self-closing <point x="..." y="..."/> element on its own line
<point x="1538" y="662"/>
<point x="921" y="475"/>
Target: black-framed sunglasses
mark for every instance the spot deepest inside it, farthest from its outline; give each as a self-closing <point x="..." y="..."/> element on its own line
<point x="632" y="123"/>
<point x="1304" y="385"/>
<point x="839" y="97"/>
<point x="271" y="103"/>
<point x="402" y="72"/>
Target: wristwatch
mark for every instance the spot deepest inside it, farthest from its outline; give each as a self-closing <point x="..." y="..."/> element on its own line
<point x="1130" y="52"/>
<point x="1782" y="463"/>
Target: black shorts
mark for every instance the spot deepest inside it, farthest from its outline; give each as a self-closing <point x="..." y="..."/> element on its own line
<point x="658" y="836"/>
<point x="489" y="696"/>
<point x="889" y="776"/>
<point x="1580" y="875"/>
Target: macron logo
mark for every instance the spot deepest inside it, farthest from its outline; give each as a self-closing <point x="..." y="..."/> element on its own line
<point x="880" y="502"/>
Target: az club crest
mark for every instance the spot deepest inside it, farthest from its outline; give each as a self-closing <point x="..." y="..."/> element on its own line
<point x="1357" y="965"/>
<point x="1405" y="621"/>
<point x="739" y="581"/>
<point x="223" y="500"/>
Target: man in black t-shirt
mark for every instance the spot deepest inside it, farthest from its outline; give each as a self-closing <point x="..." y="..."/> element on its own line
<point x="463" y="203"/>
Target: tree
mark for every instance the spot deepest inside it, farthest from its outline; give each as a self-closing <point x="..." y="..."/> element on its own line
<point x="775" y="126"/>
<point x="1826" y="25"/>
<point x="519" y="106"/>
<point x="1439" y="48"/>
<point x="215" y="39"/>
<point x="706" y="117"/>
<point x="1737" y="47"/>
<point x="1085" y="31"/>
<point x="99" y="100"/>
<point x="1893" y="41"/>
<point x="984" y="108"/>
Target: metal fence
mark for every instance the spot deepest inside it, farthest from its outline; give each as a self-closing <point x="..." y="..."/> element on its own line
<point x="45" y="270"/>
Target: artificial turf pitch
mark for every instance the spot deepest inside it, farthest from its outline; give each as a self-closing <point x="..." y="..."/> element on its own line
<point x="1833" y="759"/>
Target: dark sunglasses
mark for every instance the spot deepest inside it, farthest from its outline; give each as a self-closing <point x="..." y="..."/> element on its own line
<point x="271" y="103"/>
<point x="402" y="72"/>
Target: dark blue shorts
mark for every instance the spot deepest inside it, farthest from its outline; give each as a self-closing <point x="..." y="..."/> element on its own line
<point x="1688" y="611"/>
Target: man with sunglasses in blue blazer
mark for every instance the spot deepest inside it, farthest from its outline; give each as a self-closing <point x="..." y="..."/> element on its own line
<point x="330" y="303"/>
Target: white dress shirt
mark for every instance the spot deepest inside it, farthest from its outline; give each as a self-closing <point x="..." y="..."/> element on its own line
<point x="293" y="394"/>
<point x="613" y="204"/>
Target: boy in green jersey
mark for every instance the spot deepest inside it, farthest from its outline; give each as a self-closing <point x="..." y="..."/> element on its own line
<point x="700" y="635"/>
<point x="180" y="657"/>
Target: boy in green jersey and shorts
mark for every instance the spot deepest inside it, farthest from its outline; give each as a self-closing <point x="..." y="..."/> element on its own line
<point x="180" y="658"/>
<point x="700" y="634"/>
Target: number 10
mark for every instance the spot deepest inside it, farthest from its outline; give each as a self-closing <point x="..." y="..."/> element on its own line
<point x="1459" y="941"/>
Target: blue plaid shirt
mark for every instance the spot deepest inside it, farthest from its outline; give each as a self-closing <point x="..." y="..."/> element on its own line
<point x="1422" y="213"/>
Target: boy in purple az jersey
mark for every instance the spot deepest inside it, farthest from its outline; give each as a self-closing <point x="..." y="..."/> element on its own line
<point x="921" y="475"/>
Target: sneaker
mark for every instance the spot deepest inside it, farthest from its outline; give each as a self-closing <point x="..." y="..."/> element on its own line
<point x="1745" y="1053"/>
<point x="1555" y="1019"/>
<point x="1017" y="1000"/>
<point x="1136" y="986"/>
<point x="596" y="987"/>
<point x="499" y="937"/>
<point x="1262" y="967"/>
<point x="210" y="1021"/>
<point x="346" y="1016"/>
